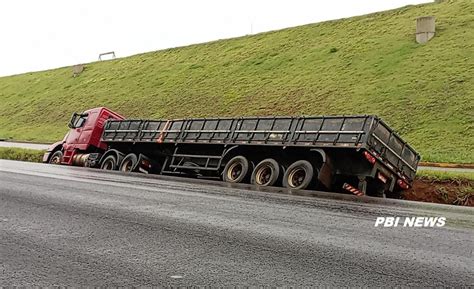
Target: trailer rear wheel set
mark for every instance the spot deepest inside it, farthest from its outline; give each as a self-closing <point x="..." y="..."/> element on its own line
<point x="299" y="175"/>
<point x="236" y="170"/>
<point x="268" y="172"/>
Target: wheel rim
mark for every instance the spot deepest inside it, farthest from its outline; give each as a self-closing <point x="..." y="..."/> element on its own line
<point x="108" y="165"/>
<point x="296" y="177"/>
<point x="263" y="175"/>
<point x="55" y="160"/>
<point x="234" y="171"/>
<point x="127" y="166"/>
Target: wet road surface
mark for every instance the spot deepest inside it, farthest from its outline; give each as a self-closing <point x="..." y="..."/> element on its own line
<point x="75" y="226"/>
<point x="24" y="145"/>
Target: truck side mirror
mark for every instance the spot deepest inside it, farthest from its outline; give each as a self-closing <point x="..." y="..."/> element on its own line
<point x="72" y="121"/>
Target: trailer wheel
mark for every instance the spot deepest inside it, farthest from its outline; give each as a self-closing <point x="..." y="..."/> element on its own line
<point x="236" y="170"/>
<point x="298" y="175"/>
<point x="109" y="163"/>
<point x="266" y="173"/>
<point x="128" y="163"/>
<point x="56" y="158"/>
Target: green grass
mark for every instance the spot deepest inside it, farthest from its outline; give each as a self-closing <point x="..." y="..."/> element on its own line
<point x="19" y="154"/>
<point x="445" y="176"/>
<point x="363" y="65"/>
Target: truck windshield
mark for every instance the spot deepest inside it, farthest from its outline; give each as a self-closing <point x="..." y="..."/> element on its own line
<point x="78" y="120"/>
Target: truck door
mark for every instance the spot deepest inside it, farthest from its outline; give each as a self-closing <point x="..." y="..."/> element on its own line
<point x="87" y="129"/>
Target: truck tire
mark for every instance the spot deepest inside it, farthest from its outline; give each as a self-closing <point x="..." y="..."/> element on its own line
<point x="128" y="163"/>
<point x="109" y="163"/>
<point x="236" y="170"/>
<point x="266" y="173"/>
<point x="56" y="158"/>
<point x="299" y="175"/>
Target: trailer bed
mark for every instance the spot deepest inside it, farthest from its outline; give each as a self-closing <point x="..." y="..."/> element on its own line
<point x="336" y="132"/>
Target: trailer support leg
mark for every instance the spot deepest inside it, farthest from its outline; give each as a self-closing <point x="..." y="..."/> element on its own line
<point x="362" y="185"/>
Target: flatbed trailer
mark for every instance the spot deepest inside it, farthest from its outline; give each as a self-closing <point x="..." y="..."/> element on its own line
<point x="358" y="154"/>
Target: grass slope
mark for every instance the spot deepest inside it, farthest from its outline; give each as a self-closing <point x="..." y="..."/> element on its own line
<point x="362" y="65"/>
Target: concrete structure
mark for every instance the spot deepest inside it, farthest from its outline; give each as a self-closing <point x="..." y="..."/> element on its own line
<point x="425" y="29"/>
<point x="77" y="69"/>
<point x="110" y="54"/>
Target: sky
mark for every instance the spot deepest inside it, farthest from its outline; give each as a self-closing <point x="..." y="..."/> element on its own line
<point x="39" y="35"/>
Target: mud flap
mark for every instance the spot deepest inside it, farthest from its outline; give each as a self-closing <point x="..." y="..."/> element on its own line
<point x="325" y="175"/>
<point x="326" y="171"/>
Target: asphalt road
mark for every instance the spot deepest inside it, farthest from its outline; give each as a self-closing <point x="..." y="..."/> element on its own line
<point x="24" y="145"/>
<point x="74" y="226"/>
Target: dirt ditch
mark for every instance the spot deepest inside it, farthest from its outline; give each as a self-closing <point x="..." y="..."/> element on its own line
<point x="454" y="192"/>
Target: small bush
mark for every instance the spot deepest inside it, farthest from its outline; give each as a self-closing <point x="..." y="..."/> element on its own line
<point x="19" y="154"/>
<point x="463" y="196"/>
<point x="333" y="50"/>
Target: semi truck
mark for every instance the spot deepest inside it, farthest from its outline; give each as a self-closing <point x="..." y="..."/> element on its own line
<point x="358" y="154"/>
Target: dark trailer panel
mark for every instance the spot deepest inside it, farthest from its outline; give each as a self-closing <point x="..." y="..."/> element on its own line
<point x="329" y="131"/>
<point x="334" y="135"/>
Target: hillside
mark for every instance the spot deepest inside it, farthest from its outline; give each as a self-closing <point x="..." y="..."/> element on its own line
<point x="362" y="65"/>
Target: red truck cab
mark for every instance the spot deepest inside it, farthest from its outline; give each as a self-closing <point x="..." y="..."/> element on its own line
<point x="83" y="137"/>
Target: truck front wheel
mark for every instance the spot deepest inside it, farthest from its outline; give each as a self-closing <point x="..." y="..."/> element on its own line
<point x="56" y="158"/>
<point x="298" y="175"/>
<point x="236" y="170"/>
<point x="109" y="163"/>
